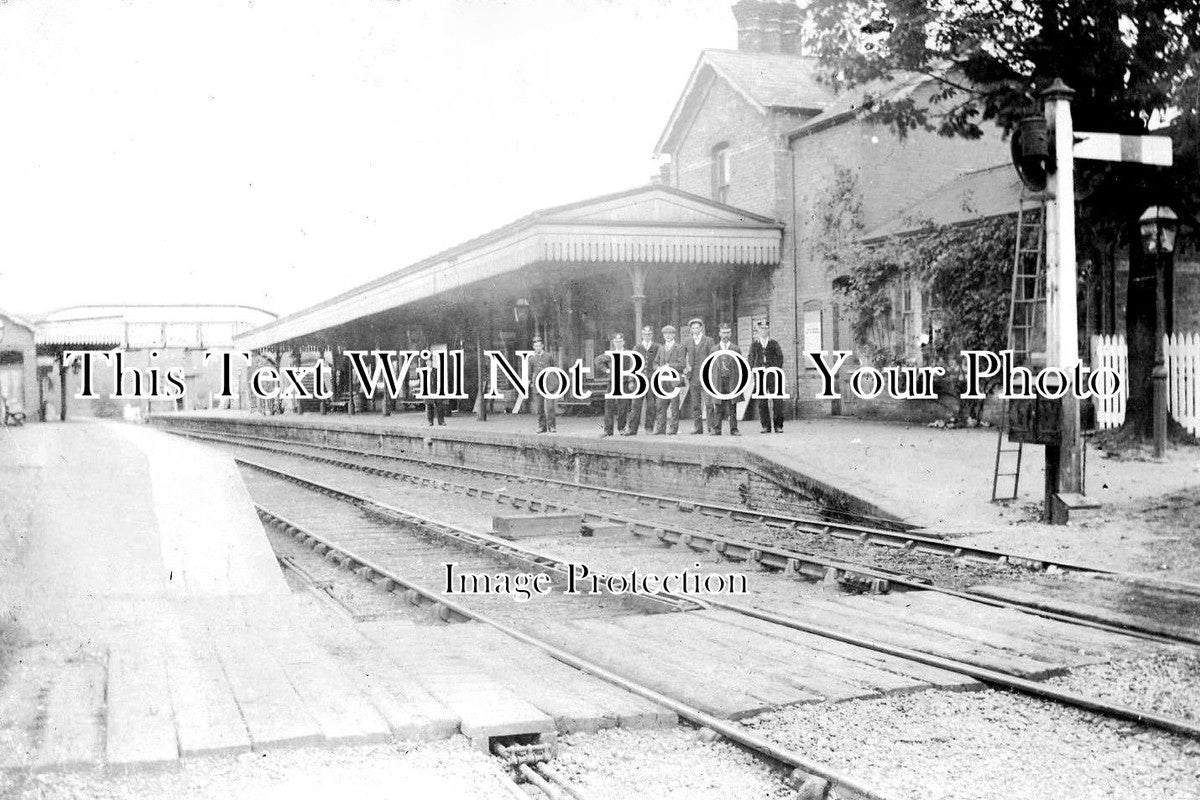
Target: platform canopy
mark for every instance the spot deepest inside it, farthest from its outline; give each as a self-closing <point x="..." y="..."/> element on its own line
<point x="644" y="229"/>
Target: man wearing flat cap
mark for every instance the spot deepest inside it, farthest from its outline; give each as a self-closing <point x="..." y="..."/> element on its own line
<point x="698" y="403"/>
<point x="670" y="354"/>
<point x="616" y="410"/>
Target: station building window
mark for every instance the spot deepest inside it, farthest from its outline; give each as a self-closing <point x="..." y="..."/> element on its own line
<point x="721" y="162"/>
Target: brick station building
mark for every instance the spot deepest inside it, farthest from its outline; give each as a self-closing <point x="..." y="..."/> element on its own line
<point x="731" y="230"/>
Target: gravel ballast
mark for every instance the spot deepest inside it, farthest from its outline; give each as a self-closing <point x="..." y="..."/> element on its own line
<point x="444" y="769"/>
<point x="675" y="764"/>
<point x="985" y="745"/>
<point x="1167" y="682"/>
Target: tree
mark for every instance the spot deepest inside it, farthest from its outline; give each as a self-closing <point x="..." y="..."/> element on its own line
<point x="1132" y="63"/>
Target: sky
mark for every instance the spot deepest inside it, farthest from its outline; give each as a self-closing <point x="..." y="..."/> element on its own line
<point x="277" y="152"/>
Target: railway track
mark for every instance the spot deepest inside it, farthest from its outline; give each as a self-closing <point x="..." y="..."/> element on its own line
<point x="351" y="548"/>
<point x="713" y="538"/>
<point x="859" y="534"/>
<point x="383" y="569"/>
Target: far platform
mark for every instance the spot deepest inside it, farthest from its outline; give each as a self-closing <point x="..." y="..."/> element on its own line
<point x="939" y="479"/>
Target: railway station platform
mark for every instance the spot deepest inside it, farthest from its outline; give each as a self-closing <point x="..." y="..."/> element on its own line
<point x="936" y="479"/>
<point x="144" y="618"/>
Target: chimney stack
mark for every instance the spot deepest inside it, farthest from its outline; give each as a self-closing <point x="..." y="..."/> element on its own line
<point x="768" y="27"/>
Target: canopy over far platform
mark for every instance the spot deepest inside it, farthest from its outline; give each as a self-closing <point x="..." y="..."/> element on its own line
<point x="636" y="233"/>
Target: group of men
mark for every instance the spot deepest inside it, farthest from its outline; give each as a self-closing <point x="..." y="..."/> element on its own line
<point x="661" y="416"/>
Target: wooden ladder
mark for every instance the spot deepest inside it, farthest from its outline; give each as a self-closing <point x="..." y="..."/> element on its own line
<point x="1026" y="320"/>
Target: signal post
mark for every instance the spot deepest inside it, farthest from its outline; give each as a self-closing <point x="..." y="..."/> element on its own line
<point x="1064" y="462"/>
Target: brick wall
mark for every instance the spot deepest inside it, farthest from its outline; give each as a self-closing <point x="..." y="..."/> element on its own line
<point x="760" y="181"/>
<point x="789" y="181"/>
<point x="891" y="174"/>
<point x="725" y="116"/>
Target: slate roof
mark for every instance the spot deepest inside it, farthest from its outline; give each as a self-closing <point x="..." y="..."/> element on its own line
<point x="772" y="80"/>
<point x="979" y="194"/>
<point x="765" y="80"/>
<point x="852" y="101"/>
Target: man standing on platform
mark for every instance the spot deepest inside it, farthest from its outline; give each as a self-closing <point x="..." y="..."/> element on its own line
<point x="724" y="371"/>
<point x="615" y="411"/>
<point x="649" y="350"/>
<point x="698" y="403"/>
<point x="670" y="354"/>
<point x="545" y="408"/>
<point x="434" y="408"/>
<point x="766" y="352"/>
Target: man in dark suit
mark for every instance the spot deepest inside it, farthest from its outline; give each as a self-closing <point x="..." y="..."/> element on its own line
<point x="725" y="371"/>
<point x="698" y="403"/>
<point x="766" y="352"/>
<point x="543" y="407"/>
<point x="434" y="408"/>
<point x="649" y="350"/>
<point x="670" y="354"/>
<point x="615" y="410"/>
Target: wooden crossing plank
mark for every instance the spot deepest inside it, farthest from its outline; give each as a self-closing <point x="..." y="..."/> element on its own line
<point x="274" y="713"/>
<point x="577" y="701"/>
<point x="730" y="649"/>
<point x="343" y="713"/>
<point x="1071" y="644"/>
<point x="73" y="730"/>
<point x="795" y="654"/>
<point x="992" y="636"/>
<point x="715" y="658"/>
<point x="207" y="718"/>
<point x="19" y="709"/>
<point x="1093" y="600"/>
<point x="849" y="620"/>
<point x="573" y="708"/>
<point x="140" y="729"/>
<point x="686" y="684"/>
<point x="409" y="709"/>
<point x="933" y="676"/>
<point x="484" y="706"/>
<point x="816" y="673"/>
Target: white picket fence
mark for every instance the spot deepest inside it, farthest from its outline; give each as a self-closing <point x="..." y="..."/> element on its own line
<point x="1110" y="352"/>
<point x="1182" y="352"/>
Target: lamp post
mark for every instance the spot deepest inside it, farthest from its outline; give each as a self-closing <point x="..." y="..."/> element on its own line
<point x="1158" y="226"/>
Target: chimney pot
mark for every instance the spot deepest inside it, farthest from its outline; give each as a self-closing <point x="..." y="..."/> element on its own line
<point x="789" y="33"/>
<point x="768" y="27"/>
<point x="748" y="14"/>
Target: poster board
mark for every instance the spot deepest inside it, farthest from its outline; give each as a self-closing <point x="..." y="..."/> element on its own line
<point x="812" y="333"/>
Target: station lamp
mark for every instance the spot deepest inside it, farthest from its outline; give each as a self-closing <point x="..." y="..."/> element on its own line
<point x="1159" y="225"/>
<point x="521" y="309"/>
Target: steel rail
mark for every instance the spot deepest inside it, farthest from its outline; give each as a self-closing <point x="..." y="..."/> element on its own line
<point x="903" y="540"/>
<point x="765" y="556"/>
<point x="989" y="676"/>
<point x="368" y="569"/>
<point x="554" y="777"/>
<point x="789" y="562"/>
<point x="493" y="546"/>
<point x="763" y="746"/>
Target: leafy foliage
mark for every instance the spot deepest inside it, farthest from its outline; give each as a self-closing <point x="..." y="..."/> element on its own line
<point x="1133" y="65"/>
<point x="967" y="270"/>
